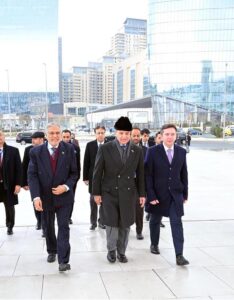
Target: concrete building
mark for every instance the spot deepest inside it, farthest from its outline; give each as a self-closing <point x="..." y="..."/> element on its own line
<point x="131" y="79"/>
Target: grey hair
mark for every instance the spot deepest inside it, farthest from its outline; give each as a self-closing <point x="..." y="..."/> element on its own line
<point x="52" y="125"/>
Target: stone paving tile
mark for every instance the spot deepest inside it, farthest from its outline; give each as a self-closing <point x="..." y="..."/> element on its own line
<point x="74" y="286"/>
<point x="21" y="288"/>
<point x="135" y="285"/>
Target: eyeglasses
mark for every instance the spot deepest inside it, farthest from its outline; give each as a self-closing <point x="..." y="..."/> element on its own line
<point x="54" y="132"/>
<point x="100" y="133"/>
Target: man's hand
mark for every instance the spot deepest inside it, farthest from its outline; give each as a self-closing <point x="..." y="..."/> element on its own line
<point x="142" y="201"/>
<point x="98" y="199"/>
<point x="17" y="189"/>
<point x="86" y="182"/>
<point x="38" y="204"/>
<point x="26" y="187"/>
<point x="60" y="189"/>
<point x="185" y="200"/>
<point x="154" y="202"/>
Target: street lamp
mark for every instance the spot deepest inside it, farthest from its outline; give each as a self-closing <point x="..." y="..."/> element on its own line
<point x="46" y="96"/>
<point x="8" y="97"/>
<point x="225" y="101"/>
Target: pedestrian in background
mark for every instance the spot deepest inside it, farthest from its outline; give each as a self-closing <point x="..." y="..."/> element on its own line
<point x="88" y="166"/>
<point x="67" y="138"/>
<point x="38" y="138"/>
<point x="136" y="138"/>
<point x="10" y="180"/>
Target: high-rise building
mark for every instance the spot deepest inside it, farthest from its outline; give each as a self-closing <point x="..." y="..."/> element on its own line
<point x="191" y="52"/>
<point x="130" y="40"/>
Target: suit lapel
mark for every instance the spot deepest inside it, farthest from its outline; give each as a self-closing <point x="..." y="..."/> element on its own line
<point x="130" y="158"/>
<point x="163" y="153"/>
<point x="61" y="157"/>
<point x="116" y="156"/>
<point x="45" y="159"/>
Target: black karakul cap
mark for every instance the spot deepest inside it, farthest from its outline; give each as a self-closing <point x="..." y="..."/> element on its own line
<point x="124" y="124"/>
<point x="38" y="134"/>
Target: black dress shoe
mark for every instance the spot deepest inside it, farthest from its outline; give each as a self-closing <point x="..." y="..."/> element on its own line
<point x="102" y="226"/>
<point x="92" y="227"/>
<point x="139" y="236"/>
<point x="181" y="261"/>
<point x="122" y="258"/>
<point x="64" y="267"/>
<point x="162" y="225"/>
<point x="51" y="258"/>
<point x="70" y="221"/>
<point x="38" y="226"/>
<point x="111" y="256"/>
<point x="154" y="249"/>
<point x="9" y="231"/>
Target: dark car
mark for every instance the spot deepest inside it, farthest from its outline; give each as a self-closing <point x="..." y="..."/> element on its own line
<point x="194" y="131"/>
<point x="181" y="136"/>
<point x="24" y="137"/>
<point x="110" y="137"/>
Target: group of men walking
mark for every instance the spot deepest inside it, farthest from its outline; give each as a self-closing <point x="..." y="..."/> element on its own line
<point x="123" y="176"/>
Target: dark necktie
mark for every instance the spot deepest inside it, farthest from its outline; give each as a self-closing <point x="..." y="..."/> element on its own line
<point x="124" y="153"/>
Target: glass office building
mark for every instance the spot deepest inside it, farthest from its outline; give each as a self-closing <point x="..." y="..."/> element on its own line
<point x="191" y="52"/>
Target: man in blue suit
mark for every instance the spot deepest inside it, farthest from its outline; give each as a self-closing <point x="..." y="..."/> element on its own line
<point x="167" y="189"/>
<point x="52" y="174"/>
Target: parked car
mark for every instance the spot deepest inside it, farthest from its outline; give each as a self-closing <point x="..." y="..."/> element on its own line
<point x="181" y="136"/>
<point x="24" y="137"/>
<point x="229" y="130"/>
<point x="194" y="131"/>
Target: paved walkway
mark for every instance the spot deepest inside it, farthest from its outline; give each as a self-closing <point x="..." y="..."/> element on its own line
<point x="209" y="246"/>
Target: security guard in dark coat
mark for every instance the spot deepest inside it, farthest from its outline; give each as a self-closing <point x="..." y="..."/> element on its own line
<point x="118" y="182"/>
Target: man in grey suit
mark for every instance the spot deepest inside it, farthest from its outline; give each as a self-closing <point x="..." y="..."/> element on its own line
<point x="118" y="182"/>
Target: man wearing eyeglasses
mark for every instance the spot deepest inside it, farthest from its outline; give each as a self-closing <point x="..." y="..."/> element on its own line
<point x="52" y="174"/>
<point x="88" y="166"/>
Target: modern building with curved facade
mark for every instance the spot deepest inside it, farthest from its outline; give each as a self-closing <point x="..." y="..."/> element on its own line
<point x="191" y="54"/>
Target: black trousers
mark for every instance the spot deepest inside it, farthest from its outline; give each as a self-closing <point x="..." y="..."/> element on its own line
<point x="94" y="212"/>
<point x="9" y="209"/>
<point x="59" y="244"/>
<point x="176" y="229"/>
<point x="139" y="217"/>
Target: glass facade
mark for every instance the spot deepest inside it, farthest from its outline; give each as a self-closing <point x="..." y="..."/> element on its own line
<point x="191" y="51"/>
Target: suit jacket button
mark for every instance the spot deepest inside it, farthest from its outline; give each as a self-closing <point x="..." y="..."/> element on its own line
<point x="118" y="176"/>
<point x="169" y="188"/>
<point x="128" y="188"/>
<point x="116" y="188"/>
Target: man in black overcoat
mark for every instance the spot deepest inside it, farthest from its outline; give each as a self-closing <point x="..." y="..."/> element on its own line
<point x="10" y="180"/>
<point x="118" y="183"/>
<point x="38" y="138"/>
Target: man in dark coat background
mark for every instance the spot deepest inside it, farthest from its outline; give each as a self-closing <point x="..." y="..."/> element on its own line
<point x="10" y="180"/>
<point x="38" y="138"/>
<point x="167" y="189"/>
<point x="52" y="174"/>
<point x="118" y="182"/>
<point x="88" y="166"/>
<point x="136" y="138"/>
<point x="67" y="138"/>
